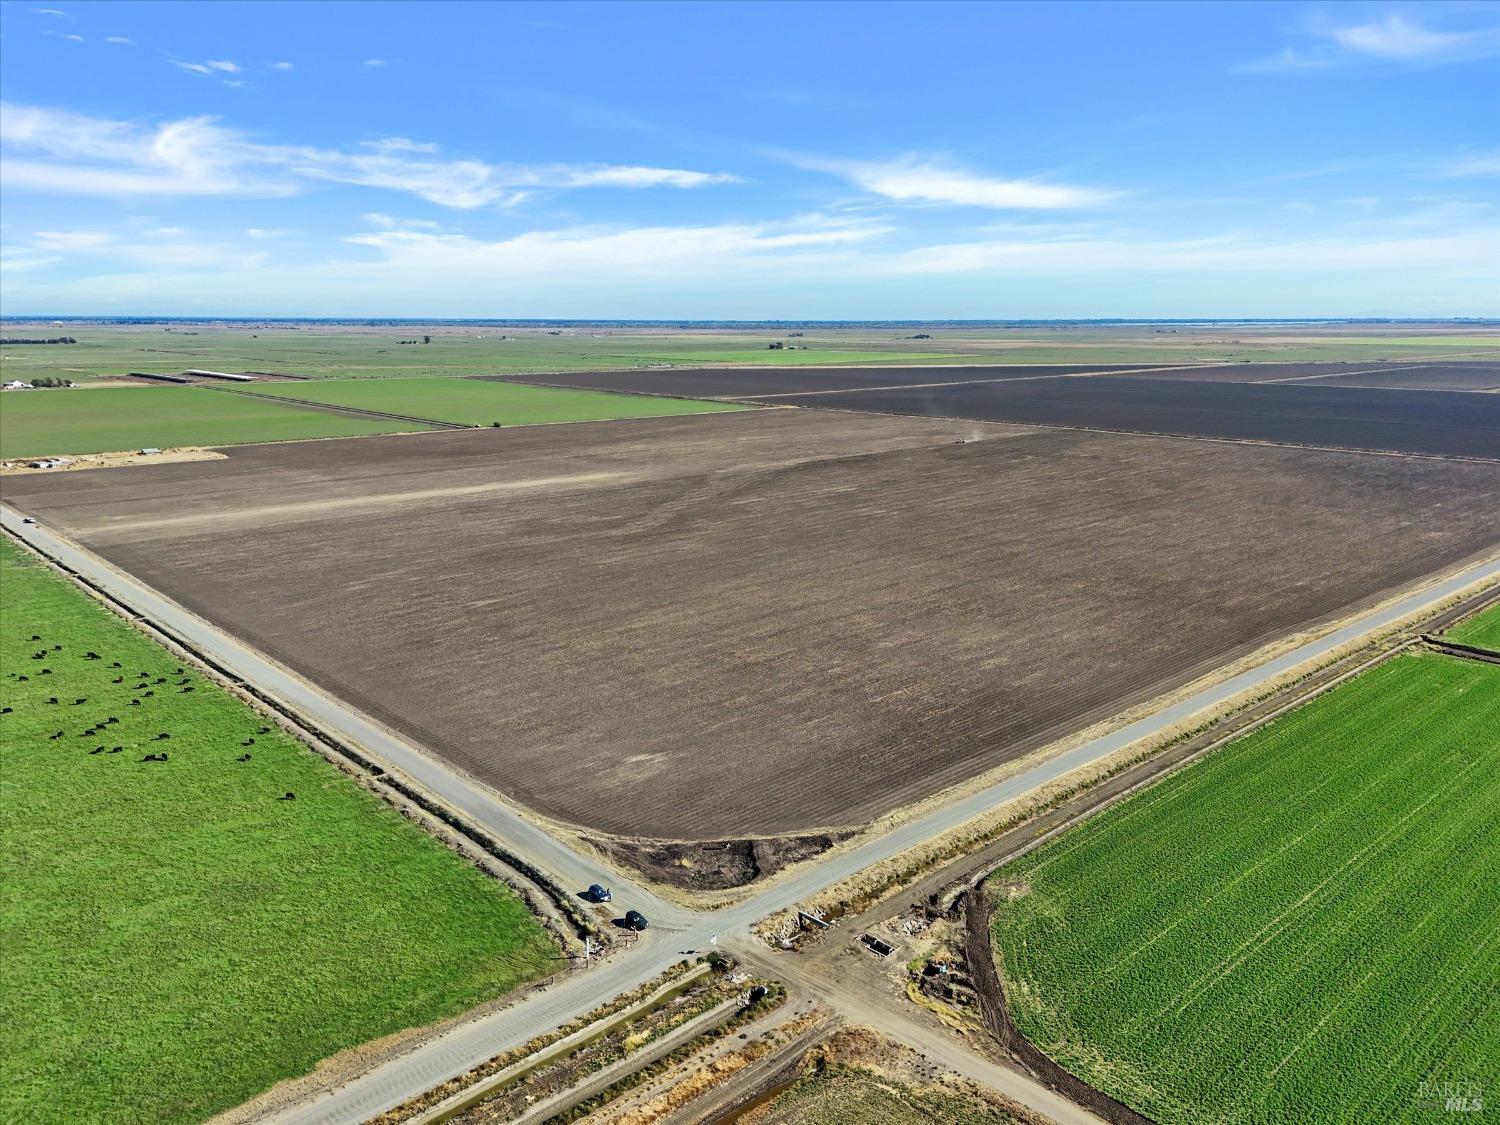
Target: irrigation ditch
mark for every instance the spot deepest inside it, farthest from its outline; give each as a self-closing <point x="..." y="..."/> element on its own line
<point x="624" y="1043"/>
<point x="970" y="897"/>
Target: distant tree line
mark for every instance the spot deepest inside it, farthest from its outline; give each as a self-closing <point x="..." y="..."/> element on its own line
<point x="22" y="340"/>
<point x="52" y="381"/>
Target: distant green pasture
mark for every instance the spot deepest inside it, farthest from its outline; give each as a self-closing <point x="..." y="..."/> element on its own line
<point x="322" y="352"/>
<point x="108" y="419"/>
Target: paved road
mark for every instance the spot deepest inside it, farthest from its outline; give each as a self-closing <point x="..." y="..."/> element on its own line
<point x="674" y="928"/>
<point x="482" y="806"/>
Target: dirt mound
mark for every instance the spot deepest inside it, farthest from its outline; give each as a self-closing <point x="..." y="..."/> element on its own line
<point x="715" y="865"/>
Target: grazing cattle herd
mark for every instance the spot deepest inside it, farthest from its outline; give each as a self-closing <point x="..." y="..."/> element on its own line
<point x="139" y="693"/>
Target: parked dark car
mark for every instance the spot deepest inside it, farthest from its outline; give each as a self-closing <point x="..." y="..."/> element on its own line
<point x="635" y="920"/>
<point x="596" y="893"/>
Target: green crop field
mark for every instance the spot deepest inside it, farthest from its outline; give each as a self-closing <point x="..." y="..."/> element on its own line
<point x="111" y="419"/>
<point x="1304" y="926"/>
<point x="176" y="938"/>
<point x="111" y="351"/>
<point x="478" y="402"/>
<point x="370" y="351"/>
<point x="791" y="357"/>
<point x="1482" y="630"/>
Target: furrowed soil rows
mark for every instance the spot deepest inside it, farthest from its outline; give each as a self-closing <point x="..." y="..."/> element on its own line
<point x="1453" y="376"/>
<point x="1303" y="927"/>
<point x="482" y="402"/>
<point x="1447" y="423"/>
<point x="765" y="622"/>
<point x="1443" y="377"/>
<point x="717" y="382"/>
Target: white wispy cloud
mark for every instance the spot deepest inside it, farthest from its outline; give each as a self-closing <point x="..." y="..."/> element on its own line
<point x="211" y="68"/>
<point x="636" y="176"/>
<point x="160" y="248"/>
<point x="57" y="151"/>
<point x="1396" y="37"/>
<point x="1289" y="60"/>
<point x="384" y="221"/>
<point x="1390" y="39"/>
<point x="833" y="247"/>
<point x="19" y="258"/>
<point x="1219" y="254"/>
<point x="121" y="40"/>
<point x="71" y="241"/>
<point x="1480" y="164"/>
<point x="635" y="254"/>
<point x="395" y="266"/>
<point x="58" y="12"/>
<point x="374" y="64"/>
<point x="281" y="66"/>
<point x="914" y="179"/>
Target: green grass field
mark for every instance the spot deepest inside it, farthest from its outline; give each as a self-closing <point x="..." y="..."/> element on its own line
<point x="363" y="352"/>
<point x="477" y="402"/>
<point x="110" y="419"/>
<point x="105" y="351"/>
<point x="1304" y="926"/>
<point x="1482" y="630"/>
<point x="176" y="939"/>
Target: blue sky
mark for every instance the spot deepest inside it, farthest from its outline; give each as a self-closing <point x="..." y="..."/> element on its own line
<point x="750" y="160"/>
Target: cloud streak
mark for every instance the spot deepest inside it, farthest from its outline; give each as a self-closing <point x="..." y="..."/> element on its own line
<point x="1481" y="164"/>
<point x="1393" y="39"/>
<point x="165" y="248"/>
<point x="55" y="151"/>
<point x="1396" y="37"/>
<point x="401" y="267"/>
<point x="919" y="180"/>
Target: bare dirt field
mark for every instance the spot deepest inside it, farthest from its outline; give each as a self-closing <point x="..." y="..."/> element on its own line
<point x="749" y="382"/>
<point x="1436" y="377"/>
<point x="1440" y="423"/>
<point x="1468" y="375"/>
<point x="766" y="622"/>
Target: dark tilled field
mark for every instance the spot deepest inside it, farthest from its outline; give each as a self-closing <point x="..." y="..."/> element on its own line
<point x="1443" y="423"/>
<point x="1438" y="377"/>
<point x="767" y="622"/>
<point x="719" y="382"/>
<point x="1477" y="375"/>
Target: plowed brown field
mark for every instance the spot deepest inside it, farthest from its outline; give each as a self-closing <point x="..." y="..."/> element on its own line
<point x="764" y="622"/>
